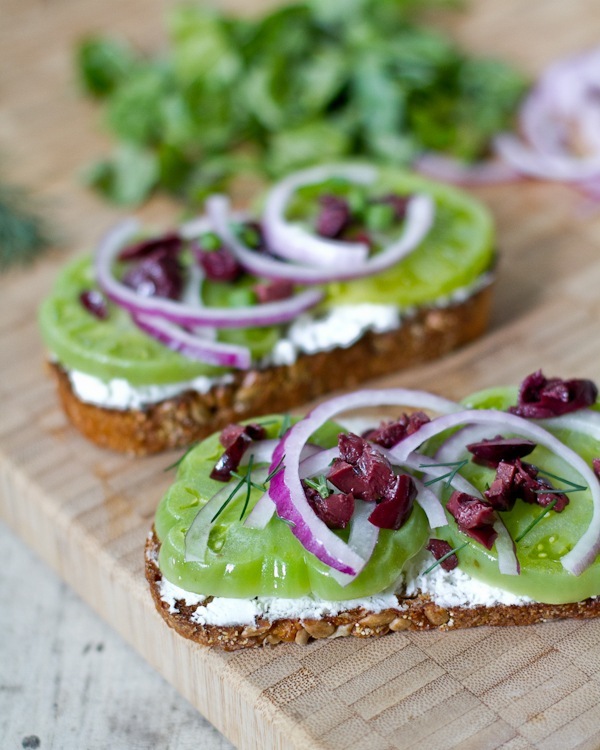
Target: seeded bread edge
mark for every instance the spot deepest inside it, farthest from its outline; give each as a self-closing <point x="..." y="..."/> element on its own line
<point x="429" y="333"/>
<point x="415" y="613"/>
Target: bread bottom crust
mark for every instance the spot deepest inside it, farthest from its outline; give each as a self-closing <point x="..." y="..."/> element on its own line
<point x="189" y="417"/>
<point x="417" y="613"/>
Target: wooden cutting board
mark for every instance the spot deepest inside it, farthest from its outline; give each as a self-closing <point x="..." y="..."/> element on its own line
<point x="87" y="511"/>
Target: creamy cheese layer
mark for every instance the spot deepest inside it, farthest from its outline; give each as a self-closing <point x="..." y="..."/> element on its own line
<point x="339" y="327"/>
<point x="446" y="588"/>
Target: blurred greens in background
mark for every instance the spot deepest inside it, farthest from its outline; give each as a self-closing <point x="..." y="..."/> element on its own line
<point x="309" y="82"/>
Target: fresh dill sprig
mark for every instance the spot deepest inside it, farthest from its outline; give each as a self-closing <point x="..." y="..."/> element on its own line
<point x="246" y="479"/>
<point x="572" y="486"/>
<point x="536" y="520"/>
<point x="320" y="485"/>
<point x="449" y="477"/>
<point x="445" y="557"/>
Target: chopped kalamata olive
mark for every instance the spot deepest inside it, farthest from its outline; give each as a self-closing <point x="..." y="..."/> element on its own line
<point x="335" y="510"/>
<point x="474" y="517"/>
<point x="333" y="217"/>
<point x="541" y="398"/>
<point x="95" y="303"/>
<point x="272" y="291"/>
<point x="395" y="508"/>
<point x="439" y="548"/>
<point x="170" y="243"/>
<point x="157" y="275"/>
<point x="351" y="447"/>
<point x="520" y="480"/>
<point x="389" y="434"/>
<point x="219" y="265"/>
<point x="376" y="470"/>
<point x="491" y="452"/>
<point x="596" y="466"/>
<point x="345" y="477"/>
<point x="235" y="438"/>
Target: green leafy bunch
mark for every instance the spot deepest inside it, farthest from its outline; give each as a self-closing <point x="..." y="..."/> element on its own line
<point x="305" y="83"/>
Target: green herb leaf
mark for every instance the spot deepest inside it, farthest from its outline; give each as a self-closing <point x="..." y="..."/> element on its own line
<point x="24" y="235"/>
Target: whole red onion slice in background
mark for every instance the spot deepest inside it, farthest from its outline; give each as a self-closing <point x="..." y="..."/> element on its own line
<point x="448" y="169"/>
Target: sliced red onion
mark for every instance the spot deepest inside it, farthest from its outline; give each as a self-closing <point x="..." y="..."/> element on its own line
<point x="419" y="218"/>
<point x="292" y="241"/>
<point x="588" y="547"/>
<point x="261" y="514"/>
<point x="270" y="313"/>
<point x="430" y="504"/>
<point x="261" y="451"/>
<point x="362" y="540"/>
<point x="508" y="562"/>
<point x="193" y="346"/>
<point x="286" y="489"/>
<point x="451" y="170"/>
<point x="585" y="421"/>
<point x="553" y="166"/>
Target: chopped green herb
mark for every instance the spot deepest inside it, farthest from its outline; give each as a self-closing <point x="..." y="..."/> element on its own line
<point x="445" y="557"/>
<point x="320" y="485"/>
<point x="304" y="83"/>
<point x="536" y="520"/>
<point x="449" y="477"/>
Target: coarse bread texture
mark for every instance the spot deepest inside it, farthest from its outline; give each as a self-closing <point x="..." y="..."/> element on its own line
<point x="415" y="613"/>
<point x="184" y="419"/>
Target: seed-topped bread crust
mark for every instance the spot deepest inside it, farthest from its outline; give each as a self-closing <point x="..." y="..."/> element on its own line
<point x="415" y="613"/>
<point x="427" y="334"/>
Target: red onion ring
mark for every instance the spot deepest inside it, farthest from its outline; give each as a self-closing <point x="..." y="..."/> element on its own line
<point x="193" y="346"/>
<point x="451" y="170"/>
<point x="419" y="218"/>
<point x="292" y="241"/>
<point x="286" y="489"/>
<point x="270" y="313"/>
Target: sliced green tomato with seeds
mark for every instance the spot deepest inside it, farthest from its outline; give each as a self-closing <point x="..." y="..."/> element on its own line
<point x="542" y="577"/>
<point x="457" y="251"/>
<point x="244" y="562"/>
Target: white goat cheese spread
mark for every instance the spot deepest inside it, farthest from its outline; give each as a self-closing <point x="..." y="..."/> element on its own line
<point x="340" y="326"/>
<point x="446" y="588"/>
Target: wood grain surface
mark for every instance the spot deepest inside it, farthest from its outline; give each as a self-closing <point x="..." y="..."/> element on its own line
<point x="86" y="512"/>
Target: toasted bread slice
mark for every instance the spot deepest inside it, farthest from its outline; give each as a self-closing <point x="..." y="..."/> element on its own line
<point x="419" y="612"/>
<point x="427" y="334"/>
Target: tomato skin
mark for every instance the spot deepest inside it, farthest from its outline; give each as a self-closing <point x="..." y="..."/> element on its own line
<point x="243" y="562"/>
<point x="542" y="577"/>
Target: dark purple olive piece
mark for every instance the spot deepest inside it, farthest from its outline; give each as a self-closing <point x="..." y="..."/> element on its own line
<point x="491" y="452"/>
<point x="333" y="217"/>
<point x="272" y="291"/>
<point x="335" y="510"/>
<point x="235" y="438"/>
<point x="389" y="434"/>
<point x="220" y="265"/>
<point x="541" y="397"/>
<point x="439" y="548"/>
<point x="474" y="517"/>
<point x="393" y="511"/>
<point x="170" y="243"/>
<point x="157" y="275"/>
<point x="95" y="303"/>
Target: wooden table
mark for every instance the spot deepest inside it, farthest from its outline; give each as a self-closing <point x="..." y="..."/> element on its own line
<point x="86" y="512"/>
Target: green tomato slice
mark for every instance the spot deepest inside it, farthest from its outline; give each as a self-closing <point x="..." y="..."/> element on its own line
<point x="542" y="577"/>
<point x="455" y="253"/>
<point x="244" y="562"/>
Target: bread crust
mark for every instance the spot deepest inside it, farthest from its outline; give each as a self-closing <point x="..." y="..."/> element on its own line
<point x="176" y="422"/>
<point x="415" y="613"/>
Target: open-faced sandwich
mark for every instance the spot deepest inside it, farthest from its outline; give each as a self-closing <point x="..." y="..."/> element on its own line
<point x="348" y="273"/>
<point x="486" y="514"/>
